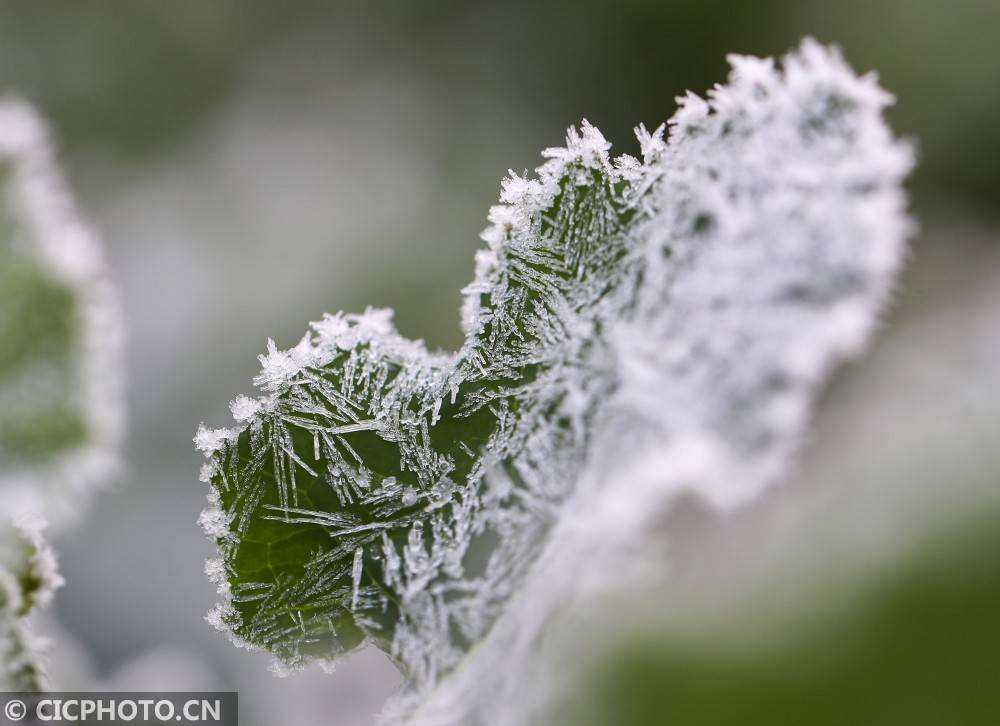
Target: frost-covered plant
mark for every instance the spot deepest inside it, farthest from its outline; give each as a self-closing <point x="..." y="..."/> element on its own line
<point x="28" y="577"/>
<point x="636" y="327"/>
<point x="60" y="404"/>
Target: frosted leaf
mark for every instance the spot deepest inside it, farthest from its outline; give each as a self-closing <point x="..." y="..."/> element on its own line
<point x="634" y="329"/>
<point x="60" y="335"/>
<point x="28" y="578"/>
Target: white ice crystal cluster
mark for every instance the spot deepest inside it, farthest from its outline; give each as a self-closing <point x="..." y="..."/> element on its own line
<point x="28" y="578"/>
<point x="60" y="335"/>
<point x="637" y="327"/>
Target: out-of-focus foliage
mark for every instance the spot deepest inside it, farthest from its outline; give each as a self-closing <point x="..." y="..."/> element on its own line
<point x="133" y="76"/>
<point x="915" y="647"/>
<point x="130" y="75"/>
<point x="28" y="577"/>
<point x="59" y="379"/>
<point x="59" y="335"/>
<point x="38" y="325"/>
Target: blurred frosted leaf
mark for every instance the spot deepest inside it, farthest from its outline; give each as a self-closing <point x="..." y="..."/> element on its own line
<point x="60" y="335"/>
<point x="635" y="328"/>
<point x="28" y="578"/>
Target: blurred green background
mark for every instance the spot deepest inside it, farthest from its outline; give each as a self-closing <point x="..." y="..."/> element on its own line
<point x="254" y="164"/>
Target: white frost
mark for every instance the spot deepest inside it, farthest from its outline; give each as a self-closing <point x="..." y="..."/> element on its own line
<point x="779" y="203"/>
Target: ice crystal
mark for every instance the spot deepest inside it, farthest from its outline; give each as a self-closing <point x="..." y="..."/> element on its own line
<point x="636" y="326"/>
<point x="60" y="335"/>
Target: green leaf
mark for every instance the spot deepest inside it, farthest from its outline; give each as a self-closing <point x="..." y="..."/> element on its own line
<point x="635" y="328"/>
<point x="373" y="446"/>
